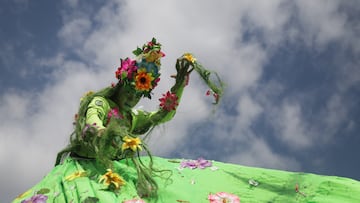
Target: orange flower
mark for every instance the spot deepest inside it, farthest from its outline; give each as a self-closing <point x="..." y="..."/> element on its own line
<point x="143" y="80"/>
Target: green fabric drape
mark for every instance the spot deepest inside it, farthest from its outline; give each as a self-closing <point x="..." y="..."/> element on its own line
<point x="194" y="185"/>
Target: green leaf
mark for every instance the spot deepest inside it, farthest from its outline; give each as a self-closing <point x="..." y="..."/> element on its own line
<point x="90" y="200"/>
<point x="43" y="191"/>
<point x="137" y="51"/>
<point x="153" y="40"/>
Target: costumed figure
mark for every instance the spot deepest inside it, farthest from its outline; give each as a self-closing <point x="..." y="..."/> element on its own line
<point x="107" y="129"/>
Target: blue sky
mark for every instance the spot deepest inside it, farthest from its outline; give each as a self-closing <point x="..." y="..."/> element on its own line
<point x="291" y="69"/>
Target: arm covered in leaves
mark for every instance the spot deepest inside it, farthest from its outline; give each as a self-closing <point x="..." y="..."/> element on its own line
<point x="97" y="112"/>
<point x="143" y="121"/>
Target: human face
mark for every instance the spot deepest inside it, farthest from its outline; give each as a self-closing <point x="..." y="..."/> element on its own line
<point x="128" y="99"/>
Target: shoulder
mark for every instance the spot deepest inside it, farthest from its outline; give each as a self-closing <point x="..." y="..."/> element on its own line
<point x="99" y="101"/>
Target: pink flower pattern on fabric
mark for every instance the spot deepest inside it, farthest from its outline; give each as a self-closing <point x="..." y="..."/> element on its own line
<point x="199" y="163"/>
<point x="38" y="198"/>
<point x="223" y="197"/>
<point x="134" y="201"/>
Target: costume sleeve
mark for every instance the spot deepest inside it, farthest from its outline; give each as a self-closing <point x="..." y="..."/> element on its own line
<point x="97" y="112"/>
<point x="142" y="121"/>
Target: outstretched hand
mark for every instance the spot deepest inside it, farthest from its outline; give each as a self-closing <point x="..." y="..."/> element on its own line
<point x="183" y="67"/>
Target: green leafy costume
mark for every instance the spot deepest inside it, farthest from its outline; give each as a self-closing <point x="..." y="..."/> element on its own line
<point x="107" y="129"/>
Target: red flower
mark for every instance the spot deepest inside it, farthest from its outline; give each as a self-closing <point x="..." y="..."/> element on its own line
<point x="169" y="101"/>
<point x="156" y="81"/>
<point x="215" y="95"/>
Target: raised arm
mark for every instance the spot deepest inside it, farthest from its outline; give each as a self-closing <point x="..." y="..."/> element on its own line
<point x="143" y="121"/>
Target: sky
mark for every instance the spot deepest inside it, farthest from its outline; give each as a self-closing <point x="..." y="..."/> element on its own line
<point x="291" y="70"/>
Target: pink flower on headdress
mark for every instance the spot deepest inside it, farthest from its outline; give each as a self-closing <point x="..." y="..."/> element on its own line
<point x="169" y="101"/>
<point x="128" y="67"/>
<point x="222" y="197"/>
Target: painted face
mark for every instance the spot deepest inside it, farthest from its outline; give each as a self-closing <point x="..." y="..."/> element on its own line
<point x="128" y="99"/>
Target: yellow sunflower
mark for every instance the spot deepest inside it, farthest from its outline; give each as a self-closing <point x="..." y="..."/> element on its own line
<point x="143" y="80"/>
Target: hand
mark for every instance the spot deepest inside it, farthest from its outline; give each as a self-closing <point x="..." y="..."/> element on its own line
<point x="183" y="70"/>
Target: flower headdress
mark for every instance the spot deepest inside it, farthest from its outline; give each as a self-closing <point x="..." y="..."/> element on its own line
<point x="141" y="75"/>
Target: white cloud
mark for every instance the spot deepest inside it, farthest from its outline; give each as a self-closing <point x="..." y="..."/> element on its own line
<point x="259" y="154"/>
<point x="39" y="125"/>
<point x="321" y="21"/>
<point x="248" y="110"/>
<point x="74" y="31"/>
<point x="14" y="106"/>
<point x="291" y="127"/>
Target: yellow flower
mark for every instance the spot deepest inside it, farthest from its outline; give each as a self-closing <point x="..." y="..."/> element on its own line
<point x="75" y="175"/>
<point x="189" y="57"/>
<point x="132" y="143"/>
<point x="22" y="195"/>
<point x="153" y="56"/>
<point x="143" y="80"/>
<point x="112" y="178"/>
